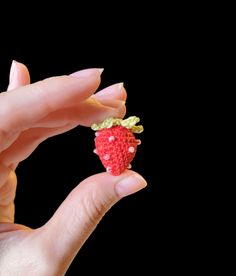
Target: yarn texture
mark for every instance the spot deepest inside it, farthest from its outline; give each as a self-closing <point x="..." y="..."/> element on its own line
<point x="115" y="143"/>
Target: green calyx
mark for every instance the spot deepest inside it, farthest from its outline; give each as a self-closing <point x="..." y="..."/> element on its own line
<point x="129" y="123"/>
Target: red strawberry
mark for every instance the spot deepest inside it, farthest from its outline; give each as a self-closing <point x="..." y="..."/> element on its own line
<point x="116" y="144"/>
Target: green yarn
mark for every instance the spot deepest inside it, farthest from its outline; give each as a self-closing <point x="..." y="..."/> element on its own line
<point x="129" y="123"/>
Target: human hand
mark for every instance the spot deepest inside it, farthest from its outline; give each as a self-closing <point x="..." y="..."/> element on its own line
<point x="29" y="114"/>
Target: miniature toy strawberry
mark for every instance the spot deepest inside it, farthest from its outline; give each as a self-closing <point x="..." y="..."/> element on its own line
<point x="116" y="144"/>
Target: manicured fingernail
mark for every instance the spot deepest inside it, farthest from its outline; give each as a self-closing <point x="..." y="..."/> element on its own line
<point x="120" y="85"/>
<point x="111" y="90"/>
<point x="12" y="71"/>
<point x="87" y="72"/>
<point x="130" y="184"/>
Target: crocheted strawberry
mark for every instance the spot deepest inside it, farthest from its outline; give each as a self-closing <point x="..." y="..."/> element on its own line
<point x="116" y="144"/>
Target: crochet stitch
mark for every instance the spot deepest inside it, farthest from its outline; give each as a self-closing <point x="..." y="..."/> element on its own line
<point x="116" y="144"/>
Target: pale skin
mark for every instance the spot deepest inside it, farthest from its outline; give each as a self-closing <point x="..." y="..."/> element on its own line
<point x="29" y="114"/>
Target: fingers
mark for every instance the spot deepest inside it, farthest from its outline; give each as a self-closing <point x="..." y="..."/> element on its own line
<point x="61" y="121"/>
<point x="115" y="91"/>
<point x="82" y="210"/>
<point x="28" y="142"/>
<point x="93" y="111"/>
<point x="85" y="114"/>
<point x="26" y="105"/>
<point x="107" y="102"/>
<point x="19" y="75"/>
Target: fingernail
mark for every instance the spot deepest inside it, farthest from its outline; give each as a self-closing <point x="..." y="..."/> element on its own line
<point x="131" y="184"/>
<point x="12" y="71"/>
<point x="120" y="85"/>
<point x="111" y="90"/>
<point x="87" y="72"/>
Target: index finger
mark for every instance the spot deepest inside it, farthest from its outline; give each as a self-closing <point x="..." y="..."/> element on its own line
<point x="26" y="105"/>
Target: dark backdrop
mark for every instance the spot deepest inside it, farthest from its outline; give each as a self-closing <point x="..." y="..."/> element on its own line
<point x="146" y="231"/>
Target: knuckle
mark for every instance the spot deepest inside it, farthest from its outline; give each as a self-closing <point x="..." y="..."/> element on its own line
<point x="95" y="206"/>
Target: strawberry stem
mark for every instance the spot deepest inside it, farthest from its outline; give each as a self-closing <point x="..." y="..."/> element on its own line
<point x="129" y="123"/>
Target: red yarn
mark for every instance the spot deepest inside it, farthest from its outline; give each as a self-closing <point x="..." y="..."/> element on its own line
<point x="116" y="148"/>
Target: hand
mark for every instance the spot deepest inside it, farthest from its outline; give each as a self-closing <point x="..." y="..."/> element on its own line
<point x="29" y="114"/>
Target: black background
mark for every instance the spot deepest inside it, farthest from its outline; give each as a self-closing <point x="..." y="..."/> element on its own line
<point x="150" y="230"/>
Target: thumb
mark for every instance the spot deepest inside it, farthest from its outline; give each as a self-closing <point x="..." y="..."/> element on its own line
<point x="79" y="214"/>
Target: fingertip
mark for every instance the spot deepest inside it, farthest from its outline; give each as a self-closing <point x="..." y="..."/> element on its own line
<point x="115" y="91"/>
<point x="19" y="75"/>
<point x="87" y="73"/>
<point x="82" y="210"/>
<point x="130" y="183"/>
<point x="127" y="183"/>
